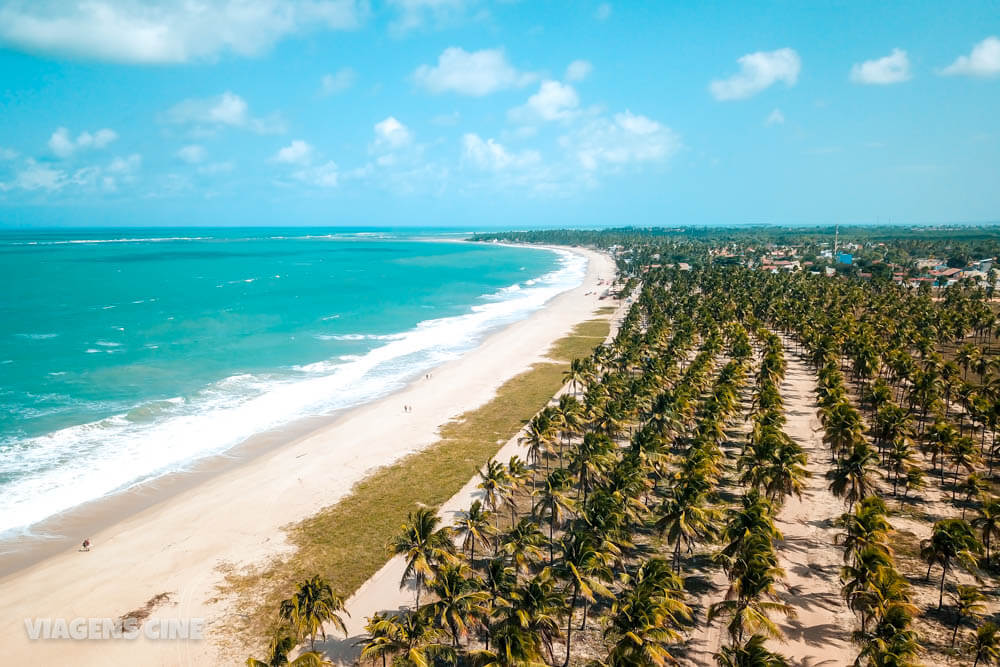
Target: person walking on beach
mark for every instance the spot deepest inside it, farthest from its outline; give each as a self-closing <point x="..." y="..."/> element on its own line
<point x="86" y="544"/>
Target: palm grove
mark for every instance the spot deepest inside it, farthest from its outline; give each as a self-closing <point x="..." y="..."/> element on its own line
<point x="666" y="453"/>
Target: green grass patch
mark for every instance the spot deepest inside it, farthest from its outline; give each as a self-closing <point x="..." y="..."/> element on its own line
<point x="606" y="310"/>
<point x="581" y="341"/>
<point x="346" y="542"/>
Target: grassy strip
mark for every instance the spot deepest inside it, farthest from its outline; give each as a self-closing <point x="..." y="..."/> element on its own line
<point x="585" y="337"/>
<point x="346" y="542"/>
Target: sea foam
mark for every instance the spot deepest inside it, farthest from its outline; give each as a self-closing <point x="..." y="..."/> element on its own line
<point x="65" y="468"/>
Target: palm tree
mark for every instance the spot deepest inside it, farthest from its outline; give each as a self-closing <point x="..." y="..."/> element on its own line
<point x="866" y="527"/>
<point x="380" y="630"/>
<point x="424" y="546"/>
<point x="851" y="478"/>
<point x="474" y="526"/>
<point x="585" y="569"/>
<point x="459" y="600"/>
<point x="751" y="597"/>
<point x="528" y="622"/>
<point x="644" y="618"/>
<point x="415" y="640"/>
<point x="281" y="645"/>
<point x="988" y="522"/>
<point x="554" y="503"/>
<point x="493" y="482"/>
<point x="523" y="543"/>
<point x="985" y="644"/>
<point x="968" y="604"/>
<point x="684" y="519"/>
<point x="312" y="606"/>
<point x="951" y="540"/>
<point x="753" y="653"/>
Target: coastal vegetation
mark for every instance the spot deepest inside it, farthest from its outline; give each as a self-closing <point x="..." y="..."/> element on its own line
<point x="642" y="525"/>
<point x="345" y="543"/>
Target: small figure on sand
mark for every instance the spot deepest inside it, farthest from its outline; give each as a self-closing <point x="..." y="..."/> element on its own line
<point x="86" y="545"/>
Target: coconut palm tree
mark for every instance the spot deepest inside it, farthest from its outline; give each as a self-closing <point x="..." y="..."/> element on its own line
<point x="313" y="605"/>
<point x="424" y="546"/>
<point x="752" y="653"/>
<point x="523" y="544"/>
<point x="527" y="624"/>
<point x="865" y="527"/>
<point x="852" y="478"/>
<point x="685" y="518"/>
<point x="951" y="541"/>
<point x="474" y="526"/>
<point x="985" y="644"/>
<point x="493" y="482"/>
<point x="554" y="503"/>
<point x="644" y="619"/>
<point x="586" y="571"/>
<point x="968" y="605"/>
<point x="988" y="522"/>
<point x="458" y="600"/>
<point x="280" y="646"/>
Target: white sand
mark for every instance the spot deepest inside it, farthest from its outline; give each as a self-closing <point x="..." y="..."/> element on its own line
<point x="819" y="633"/>
<point x="382" y="591"/>
<point x="177" y="545"/>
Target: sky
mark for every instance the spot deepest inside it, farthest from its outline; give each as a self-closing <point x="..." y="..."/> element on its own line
<point x="475" y="114"/>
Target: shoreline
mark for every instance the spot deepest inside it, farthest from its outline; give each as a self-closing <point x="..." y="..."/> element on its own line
<point x="234" y="515"/>
<point x="65" y="530"/>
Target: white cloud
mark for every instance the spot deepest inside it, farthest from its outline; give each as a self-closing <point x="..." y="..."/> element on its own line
<point x="628" y="138"/>
<point x="983" y="61"/>
<point x="491" y="155"/>
<point x="553" y="101"/>
<point x="603" y="12"/>
<point x="125" y="165"/>
<point x="578" y="70"/>
<point x="297" y="152"/>
<point x="121" y="169"/>
<point x="390" y="133"/>
<point x="414" y="14"/>
<point x="192" y="154"/>
<point x="775" y="118"/>
<point x="36" y="176"/>
<point x="893" y="68"/>
<point x="63" y="145"/>
<point x="324" y="175"/>
<point x="339" y="81"/>
<point x="758" y="71"/>
<point x="225" y="110"/>
<point x="8" y="153"/>
<point x="159" y="31"/>
<point x="477" y="73"/>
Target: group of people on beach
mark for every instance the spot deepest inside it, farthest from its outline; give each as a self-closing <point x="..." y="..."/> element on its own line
<point x="407" y="408"/>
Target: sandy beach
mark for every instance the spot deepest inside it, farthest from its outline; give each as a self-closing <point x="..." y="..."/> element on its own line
<point x="176" y="546"/>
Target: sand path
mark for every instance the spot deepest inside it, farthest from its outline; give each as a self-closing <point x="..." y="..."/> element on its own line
<point x="819" y="634"/>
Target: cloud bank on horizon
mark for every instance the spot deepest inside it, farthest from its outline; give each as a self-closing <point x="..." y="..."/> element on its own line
<point x="449" y="111"/>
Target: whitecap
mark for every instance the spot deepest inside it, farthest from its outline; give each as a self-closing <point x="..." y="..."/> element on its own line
<point x="37" y="336"/>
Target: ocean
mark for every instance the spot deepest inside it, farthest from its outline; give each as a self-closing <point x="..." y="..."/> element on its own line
<point x="128" y="354"/>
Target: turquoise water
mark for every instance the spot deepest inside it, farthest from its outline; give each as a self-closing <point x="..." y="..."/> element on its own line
<point x="128" y="354"/>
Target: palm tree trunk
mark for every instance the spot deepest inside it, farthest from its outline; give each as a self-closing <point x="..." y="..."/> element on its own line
<point x="944" y="571"/>
<point x="569" y="622"/>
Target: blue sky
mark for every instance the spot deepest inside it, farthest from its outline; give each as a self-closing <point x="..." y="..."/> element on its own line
<point x="473" y="114"/>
